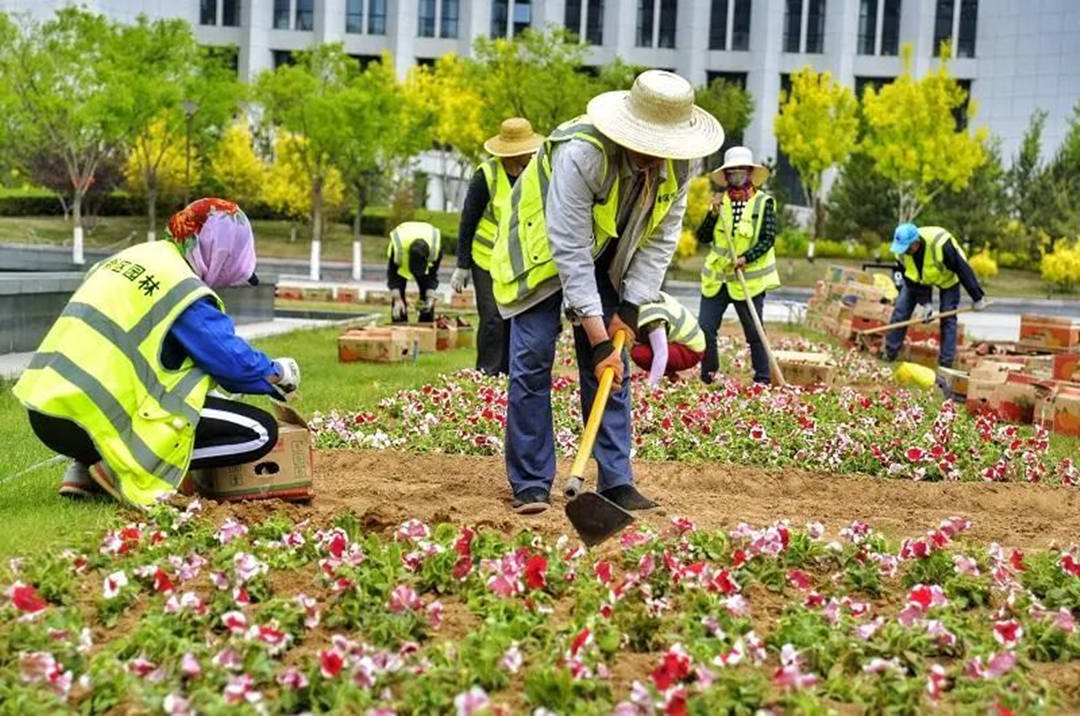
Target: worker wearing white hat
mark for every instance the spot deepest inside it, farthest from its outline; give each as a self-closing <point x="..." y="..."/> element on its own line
<point x="593" y="223"/>
<point x="743" y="220"/>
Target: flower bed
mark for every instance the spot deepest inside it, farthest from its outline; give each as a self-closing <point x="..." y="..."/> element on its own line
<point x="867" y="426"/>
<point x="190" y="611"/>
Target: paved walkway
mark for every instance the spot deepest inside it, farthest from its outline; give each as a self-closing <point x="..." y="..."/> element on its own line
<point x="13" y="364"/>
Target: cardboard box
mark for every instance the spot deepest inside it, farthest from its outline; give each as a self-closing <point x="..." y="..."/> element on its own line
<point x="378" y="297"/>
<point x="464" y="300"/>
<point x="318" y="293"/>
<point x="923" y="353"/>
<point x="956" y="382"/>
<point x="1067" y="367"/>
<point x="422" y="336"/>
<point x="380" y="345"/>
<point x="445" y="336"/>
<point x="842" y="329"/>
<point x="466" y="334"/>
<point x="1067" y="412"/>
<point x="855" y="292"/>
<point x="347" y="294"/>
<point x="1049" y="331"/>
<point x="842" y="274"/>
<point x="289" y="293"/>
<point x="881" y="312"/>
<point x="858" y="323"/>
<point x="285" y="472"/>
<point x="1043" y="416"/>
<point x="805" y="368"/>
<point x="995" y="370"/>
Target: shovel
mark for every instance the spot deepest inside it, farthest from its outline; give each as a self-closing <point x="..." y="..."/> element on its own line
<point x="774" y="366"/>
<point x="594" y="516"/>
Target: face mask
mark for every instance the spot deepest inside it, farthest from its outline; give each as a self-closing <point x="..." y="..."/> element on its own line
<point x="736" y="177"/>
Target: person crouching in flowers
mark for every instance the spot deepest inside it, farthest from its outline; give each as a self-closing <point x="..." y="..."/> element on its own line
<point x="669" y="339"/>
<point x="121" y="382"/>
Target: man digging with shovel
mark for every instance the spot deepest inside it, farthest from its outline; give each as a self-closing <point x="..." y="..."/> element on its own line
<point x="592" y="226"/>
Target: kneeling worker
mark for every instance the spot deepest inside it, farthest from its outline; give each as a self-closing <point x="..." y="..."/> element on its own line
<point x="120" y="382"/>
<point x="931" y="256"/>
<point x="413" y="255"/>
<point x="670" y="339"/>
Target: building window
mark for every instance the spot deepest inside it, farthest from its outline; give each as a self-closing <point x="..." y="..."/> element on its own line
<point x="426" y="19"/>
<point x="230" y="13"/>
<point x="500" y="12"/>
<point x="718" y="25"/>
<point x="868" y="27"/>
<point x="451" y="14"/>
<point x="668" y="17"/>
<point x="354" y="16"/>
<point x="305" y="14"/>
<point x="283" y="57"/>
<point x="960" y="114"/>
<point x="645" y="23"/>
<point x="366" y="61"/>
<point x="863" y="83"/>
<point x="522" y="16"/>
<point x="377" y="17"/>
<point x="788" y="182"/>
<point x="425" y="62"/>
<point x="890" y="28"/>
<point x="732" y="78"/>
<point x="740" y="31"/>
<point x="594" y="22"/>
<point x="943" y="18"/>
<point x="792" y="25"/>
<point x="969" y="17"/>
<point x="281" y="14"/>
<point x="208" y="12"/>
<point x="815" y="27"/>
<point x="572" y="16"/>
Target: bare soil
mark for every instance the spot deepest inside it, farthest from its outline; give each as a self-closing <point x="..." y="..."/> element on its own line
<point x="384" y="488"/>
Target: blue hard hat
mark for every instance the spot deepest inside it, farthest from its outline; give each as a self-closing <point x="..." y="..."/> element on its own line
<point x="904" y="236"/>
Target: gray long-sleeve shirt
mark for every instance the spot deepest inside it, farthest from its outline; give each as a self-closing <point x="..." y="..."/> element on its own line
<point x="577" y="183"/>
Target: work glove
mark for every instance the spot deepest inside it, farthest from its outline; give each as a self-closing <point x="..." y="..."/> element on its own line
<point x="979" y="305"/>
<point x="624" y="320"/>
<point x="605" y="356"/>
<point x="459" y="280"/>
<point x="923" y="312"/>
<point x="289" y="380"/>
<point x="427" y="310"/>
<point x="398" y="312"/>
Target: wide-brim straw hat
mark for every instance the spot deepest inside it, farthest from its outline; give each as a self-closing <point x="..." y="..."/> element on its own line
<point x="740" y="157"/>
<point x="515" y="137"/>
<point x="658" y="117"/>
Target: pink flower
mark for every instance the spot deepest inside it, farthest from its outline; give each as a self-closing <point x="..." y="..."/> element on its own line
<point x="292" y="679"/>
<point x="273" y="637"/>
<point x="404" y="598"/>
<point x="757" y="434"/>
<point x="512" y="659"/>
<point x="412" y="531"/>
<point x="230" y="530"/>
<point x="248" y="566"/>
<point x="235" y="622"/>
<point x="866" y="632"/>
<point x="936" y="681"/>
<point x="798" y="579"/>
<point x="998" y="665"/>
<point x="140" y="666"/>
<point x="26" y="599"/>
<point x="965" y="565"/>
<point x="228" y="659"/>
<point x="535" y="571"/>
<point x="1064" y="621"/>
<point x="1008" y="633"/>
<point x="877" y="665"/>
<point x="790" y="675"/>
<point x="927" y="596"/>
<point x="176" y="705"/>
<point x="502" y="586"/>
<point x="434" y="613"/>
<point x="471" y="702"/>
<point x="331" y="662"/>
<point x="189" y="665"/>
<point x="40" y="666"/>
<point x="114" y="583"/>
<point x="241" y="689"/>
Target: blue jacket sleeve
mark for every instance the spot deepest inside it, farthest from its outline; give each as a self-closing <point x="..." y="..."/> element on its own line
<point x="209" y="337"/>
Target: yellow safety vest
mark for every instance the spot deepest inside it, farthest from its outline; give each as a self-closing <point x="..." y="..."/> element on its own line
<point x="100" y="367"/>
<point x="521" y="260"/>
<point x="761" y="274"/>
<point x="402" y="237"/>
<point x="498" y="184"/>
<point x="682" y="326"/>
<point x="933" y="271"/>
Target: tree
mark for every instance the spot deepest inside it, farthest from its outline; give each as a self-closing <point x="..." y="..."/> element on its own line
<point x="289" y="182"/>
<point x="977" y="213"/>
<point x="729" y="103"/>
<point x="913" y="138"/>
<point x="168" y="92"/>
<point x="1061" y="266"/>
<point x="1054" y="209"/>
<point x="237" y="171"/>
<point x="65" y="84"/>
<point x="861" y="204"/>
<point x="1022" y="177"/>
<point x="305" y="102"/>
<point x="817" y="127"/>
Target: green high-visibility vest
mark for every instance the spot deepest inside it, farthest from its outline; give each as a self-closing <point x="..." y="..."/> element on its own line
<point x="498" y="184"/>
<point x="761" y="274"/>
<point x="521" y="261"/>
<point x="402" y="237"/>
<point x="934" y="272"/>
<point x="682" y="326"/>
<point x="100" y="367"/>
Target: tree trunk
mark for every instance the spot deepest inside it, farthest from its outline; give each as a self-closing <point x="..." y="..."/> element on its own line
<point x="357" y="220"/>
<point x="151" y="211"/>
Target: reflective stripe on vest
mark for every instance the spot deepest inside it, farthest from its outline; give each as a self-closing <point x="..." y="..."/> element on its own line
<point x="99" y="366"/>
<point x="934" y="272"/>
<point x="682" y="327"/>
<point x="403" y="236"/>
<point x="761" y="274"/>
<point x="522" y="259"/>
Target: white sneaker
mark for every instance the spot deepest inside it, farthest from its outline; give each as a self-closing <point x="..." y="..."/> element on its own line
<point x="77" y="482"/>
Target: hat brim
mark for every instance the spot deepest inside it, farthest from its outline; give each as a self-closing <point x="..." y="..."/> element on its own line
<point x="610" y="114"/>
<point x="899" y="247"/>
<point x="758" y="174"/>
<point x="499" y="147"/>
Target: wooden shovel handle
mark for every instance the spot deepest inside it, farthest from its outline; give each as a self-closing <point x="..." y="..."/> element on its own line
<point x="596" y="414"/>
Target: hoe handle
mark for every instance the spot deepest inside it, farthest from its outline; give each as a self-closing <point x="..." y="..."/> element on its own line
<point x="592" y="425"/>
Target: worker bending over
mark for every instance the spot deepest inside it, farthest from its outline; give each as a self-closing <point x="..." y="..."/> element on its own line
<point x="414" y="254"/>
<point x="120" y="383"/>
<point x="930" y="256"/>
<point x="485" y="201"/>
<point x="592" y="227"/>
<point x="669" y="339"/>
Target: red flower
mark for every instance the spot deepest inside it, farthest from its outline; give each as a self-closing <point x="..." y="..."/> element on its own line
<point x="462" y="568"/>
<point x="674" y="667"/>
<point x="463" y="544"/>
<point x="26" y="599"/>
<point x="798" y="579"/>
<point x="1016" y="559"/>
<point x="162" y="583"/>
<point x="535" y="569"/>
<point x="602" y="570"/>
<point x="1070" y="565"/>
<point x="330" y="663"/>
<point x="1008" y="633"/>
<point x="583" y="637"/>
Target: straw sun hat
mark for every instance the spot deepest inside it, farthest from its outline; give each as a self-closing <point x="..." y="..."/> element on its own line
<point x="515" y="137"/>
<point x="657" y="116"/>
<point x="738" y="157"/>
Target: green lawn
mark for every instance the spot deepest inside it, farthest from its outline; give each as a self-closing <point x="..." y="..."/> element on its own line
<point x="35" y="517"/>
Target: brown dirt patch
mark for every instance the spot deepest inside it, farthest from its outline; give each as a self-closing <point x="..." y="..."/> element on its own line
<point x="385" y="488"/>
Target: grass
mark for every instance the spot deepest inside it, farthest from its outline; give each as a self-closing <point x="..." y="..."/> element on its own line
<point x="36" y="518"/>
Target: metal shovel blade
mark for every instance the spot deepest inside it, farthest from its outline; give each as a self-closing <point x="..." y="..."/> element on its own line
<point x="596" y="518"/>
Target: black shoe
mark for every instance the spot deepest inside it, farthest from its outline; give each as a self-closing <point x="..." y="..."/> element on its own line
<point x="628" y="498"/>
<point x="531" y="501"/>
<point x="889" y="357"/>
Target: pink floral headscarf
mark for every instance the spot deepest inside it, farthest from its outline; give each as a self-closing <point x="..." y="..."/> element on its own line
<point x="215" y="237"/>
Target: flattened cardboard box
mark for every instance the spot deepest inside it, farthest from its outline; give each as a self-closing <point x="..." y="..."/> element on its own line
<point x="806" y="368"/>
<point x="285" y="472"/>
<point x="1049" y="331"/>
<point x="380" y="345"/>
